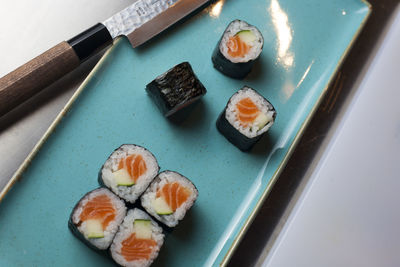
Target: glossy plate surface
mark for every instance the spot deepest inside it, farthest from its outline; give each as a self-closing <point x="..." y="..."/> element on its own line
<point x="304" y="43"/>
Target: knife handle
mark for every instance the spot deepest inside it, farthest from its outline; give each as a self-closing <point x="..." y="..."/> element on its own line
<point x="29" y="79"/>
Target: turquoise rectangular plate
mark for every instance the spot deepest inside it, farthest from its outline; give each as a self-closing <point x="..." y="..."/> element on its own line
<point x="305" y="41"/>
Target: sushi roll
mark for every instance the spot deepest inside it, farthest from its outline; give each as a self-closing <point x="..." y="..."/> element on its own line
<point x="137" y="241"/>
<point x="128" y="171"/>
<point x="175" y="89"/>
<point x="246" y="117"/>
<point x="169" y="197"/>
<point x="239" y="47"/>
<point x="96" y="217"/>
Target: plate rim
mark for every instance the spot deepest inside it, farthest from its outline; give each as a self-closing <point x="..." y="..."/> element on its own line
<point x="246" y="225"/>
<point x="299" y="134"/>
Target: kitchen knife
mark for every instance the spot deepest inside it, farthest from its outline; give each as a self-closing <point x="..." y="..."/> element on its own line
<point x="139" y="22"/>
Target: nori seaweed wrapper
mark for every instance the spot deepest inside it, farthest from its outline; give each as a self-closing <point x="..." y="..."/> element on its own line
<point x="227" y="67"/>
<point x="241" y="141"/>
<point x="176" y="89"/>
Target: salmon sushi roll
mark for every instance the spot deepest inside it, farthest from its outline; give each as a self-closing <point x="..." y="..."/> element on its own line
<point x="128" y="171"/>
<point x="96" y="217"/>
<point x="169" y="197"/>
<point x="138" y="240"/>
<point x="246" y="117"/>
<point x="240" y="45"/>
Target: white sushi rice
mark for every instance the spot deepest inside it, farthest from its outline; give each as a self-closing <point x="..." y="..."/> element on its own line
<point x="256" y="46"/>
<point x="262" y="104"/>
<point x="112" y="227"/>
<point x="129" y="193"/>
<point x="150" y="195"/>
<point x="126" y="229"/>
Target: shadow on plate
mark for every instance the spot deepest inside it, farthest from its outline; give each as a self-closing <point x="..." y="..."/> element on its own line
<point x="262" y="147"/>
<point x="190" y="117"/>
<point x="258" y="72"/>
<point x="180" y="234"/>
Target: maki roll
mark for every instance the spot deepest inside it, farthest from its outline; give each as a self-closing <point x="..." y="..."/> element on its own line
<point x="239" y="47"/>
<point x="176" y="89"/>
<point x="96" y="217"/>
<point x="137" y="241"/>
<point x="169" y="197"/>
<point x="128" y="171"/>
<point x="246" y="117"/>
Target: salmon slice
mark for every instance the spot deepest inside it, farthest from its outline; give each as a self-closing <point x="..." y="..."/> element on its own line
<point x="247" y="111"/>
<point x="135" y="166"/>
<point x="236" y="47"/>
<point x="99" y="208"/>
<point x="174" y="194"/>
<point x="136" y="248"/>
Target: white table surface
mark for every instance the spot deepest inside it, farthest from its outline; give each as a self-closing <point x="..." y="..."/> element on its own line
<point x="348" y="213"/>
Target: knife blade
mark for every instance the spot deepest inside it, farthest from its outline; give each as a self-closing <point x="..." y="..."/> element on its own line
<point x="139" y="22"/>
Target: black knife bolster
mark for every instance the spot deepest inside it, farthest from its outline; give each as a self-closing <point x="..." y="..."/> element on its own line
<point x="91" y="41"/>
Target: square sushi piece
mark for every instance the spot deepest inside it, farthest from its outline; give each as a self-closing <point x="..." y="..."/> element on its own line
<point x="96" y="217"/>
<point x="128" y="171"/>
<point x="138" y="240"/>
<point x="238" y="49"/>
<point x="246" y="117"/>
<point x="175" y="89"/>
<point x="169" y="197"/>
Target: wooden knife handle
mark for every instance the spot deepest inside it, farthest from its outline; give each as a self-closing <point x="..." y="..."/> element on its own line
<point x="30" y="78"/>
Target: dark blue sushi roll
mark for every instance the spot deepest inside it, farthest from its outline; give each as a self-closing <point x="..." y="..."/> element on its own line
<point x="175" y="89"/>
<point x="239" y="47"/>
<point x="245" y="119"/>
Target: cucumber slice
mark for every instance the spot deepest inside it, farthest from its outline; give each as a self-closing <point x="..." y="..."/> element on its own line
<point x="261" y="120"/>
<point x="122" y="177"/>
<point x="161" y="207"/>
<point x="247" y="36"/>
<point x="142" y="228"/>
<point x="94" y="229"/>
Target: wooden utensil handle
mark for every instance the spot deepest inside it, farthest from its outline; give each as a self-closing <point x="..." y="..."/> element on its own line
<point x="30" y="78"/>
